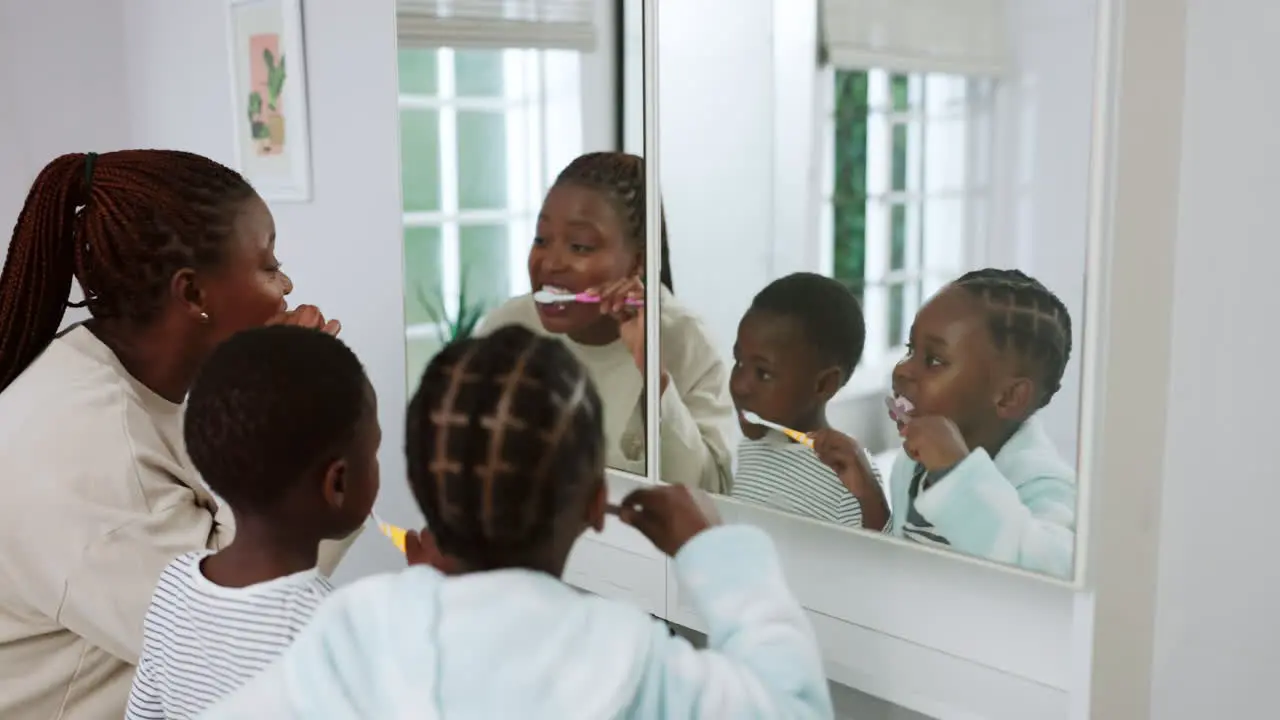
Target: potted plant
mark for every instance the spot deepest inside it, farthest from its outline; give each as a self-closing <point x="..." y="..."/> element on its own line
<point x="463" y="324"/>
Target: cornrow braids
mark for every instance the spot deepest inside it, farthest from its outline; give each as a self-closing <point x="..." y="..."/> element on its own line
<point x="1027" y="315"/>
<point x="620" y="177"/>
<point x="504" y="436"/>
<point x="121" y="224"/>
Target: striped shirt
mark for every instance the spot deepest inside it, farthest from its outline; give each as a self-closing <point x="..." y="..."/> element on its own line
<point x="202" y="641"/>
<point x="916" y="527"/>
<point x="778" y="473"/>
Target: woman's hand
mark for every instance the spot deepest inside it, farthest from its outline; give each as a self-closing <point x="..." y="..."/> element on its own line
<point x="308" y="316"/>
<point x="849" y="461"/>
<point x="669" y="515"/>
<point x="630" y="317"/>
<point x="935" y="442"/>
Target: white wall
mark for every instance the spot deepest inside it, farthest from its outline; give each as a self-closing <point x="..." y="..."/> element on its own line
<point x="715" y="125"/>
<point x="1043" y="131"/>
<point x="1216" y="651"/>
<point x="62" y="89"/>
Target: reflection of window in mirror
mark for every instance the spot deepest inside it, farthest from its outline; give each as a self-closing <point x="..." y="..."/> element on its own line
<point x="905" y="195"/>
<point x="482" y="133"/>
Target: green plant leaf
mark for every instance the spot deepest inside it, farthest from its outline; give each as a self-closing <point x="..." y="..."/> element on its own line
<point x="255" y="105"/>
<point x="275" y="81"/>
<point x="463" y="325"/>
<point x="259" y="130"/>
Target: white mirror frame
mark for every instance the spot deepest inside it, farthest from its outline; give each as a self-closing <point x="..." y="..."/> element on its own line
<point x="951" y="636"/>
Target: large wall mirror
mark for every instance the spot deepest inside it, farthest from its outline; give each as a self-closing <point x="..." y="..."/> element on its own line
<point x="877" y="222"/>
<point x="524" y="192"/>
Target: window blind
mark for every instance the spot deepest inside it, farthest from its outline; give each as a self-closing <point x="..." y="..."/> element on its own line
<point x="545" y="24"/>
<point x="962" y="37"/>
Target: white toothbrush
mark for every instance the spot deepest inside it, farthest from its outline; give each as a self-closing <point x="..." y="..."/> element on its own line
<point x="547" y="297"/>
<point x="796" y="435"/>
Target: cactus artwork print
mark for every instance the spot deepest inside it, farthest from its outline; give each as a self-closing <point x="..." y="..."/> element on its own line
<point x="265" y="108"/>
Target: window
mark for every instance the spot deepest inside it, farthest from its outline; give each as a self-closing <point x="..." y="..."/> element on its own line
<point x="906" y="187"/>
<point x="482" y="133"/>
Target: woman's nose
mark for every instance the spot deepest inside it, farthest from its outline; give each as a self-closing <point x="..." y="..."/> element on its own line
<point x="554" y="260"/>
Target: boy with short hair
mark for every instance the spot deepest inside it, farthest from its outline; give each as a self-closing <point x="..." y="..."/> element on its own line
<point x="797" y="345"/>
<point x="282" y="424"/>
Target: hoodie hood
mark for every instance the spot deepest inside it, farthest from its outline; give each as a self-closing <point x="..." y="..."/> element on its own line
<point x="508" y="643"/>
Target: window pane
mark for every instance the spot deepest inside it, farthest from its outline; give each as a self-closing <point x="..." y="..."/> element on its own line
<point x="944" y="226"/>
<point x="482" y="160"/>
<point x="899" y="157"/>
<point x="898" y="237"/>
<point x="418" y="352"/>
<point x="483" y="252"/>
<point x="897" y="312"/>
<point x="422" y="275"/>
<point x="417" y="71"/>
<point x="420" y="160"/>
<point x="849" y="198"/>
<point x="478" y="73"/>
<point x="898" y="86"/>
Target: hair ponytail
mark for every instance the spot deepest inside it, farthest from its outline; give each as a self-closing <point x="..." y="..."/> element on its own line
<point x="665" y="277"/>
<point x="122" y="224"/>
<point x="36" y="281"/>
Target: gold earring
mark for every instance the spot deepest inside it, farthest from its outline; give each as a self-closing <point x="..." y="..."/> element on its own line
<point x="204" y="316"/>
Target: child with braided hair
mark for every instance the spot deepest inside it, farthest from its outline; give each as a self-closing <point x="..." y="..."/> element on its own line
<point x="506" y="452"/>
<point x="174" y="253"/>
<point x="591" y="238"/>
<point x="979" y="474"/>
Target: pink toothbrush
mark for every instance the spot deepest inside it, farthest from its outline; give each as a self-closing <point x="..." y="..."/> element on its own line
<point x="547" y="297"/>
<point x="899" y="409"/>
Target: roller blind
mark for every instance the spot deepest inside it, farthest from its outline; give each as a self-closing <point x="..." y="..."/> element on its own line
<point x="963" y="37"/>
<point x="547" y="24"/>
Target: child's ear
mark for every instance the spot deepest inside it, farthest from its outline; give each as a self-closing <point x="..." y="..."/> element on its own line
<point x="1016" y="399"/>
<point x="829" y="383"/>
<point x="334" y="485"/>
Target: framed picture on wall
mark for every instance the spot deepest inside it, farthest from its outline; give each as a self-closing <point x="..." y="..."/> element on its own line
<point x="269" y="94"/>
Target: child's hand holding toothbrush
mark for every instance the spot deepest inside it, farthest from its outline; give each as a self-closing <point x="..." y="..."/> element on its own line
<point x="850" y="463"/>
<point x="935" y="442"/>
<point x="420" y="549"/>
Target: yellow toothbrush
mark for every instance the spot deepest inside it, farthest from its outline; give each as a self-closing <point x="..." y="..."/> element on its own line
<point x="796" y="435"/>
<point x="393" y="533"/>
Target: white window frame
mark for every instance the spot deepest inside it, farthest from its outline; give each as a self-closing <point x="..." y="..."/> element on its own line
<point x="931" y="153"/>
<point x="542" y="90"/>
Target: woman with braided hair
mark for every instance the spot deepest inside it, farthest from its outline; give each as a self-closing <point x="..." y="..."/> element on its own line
<point x="505" y="450"/>
<point x="979" y="475"/>
<point x="591" y="238"/>
<point x="174" y="253"/>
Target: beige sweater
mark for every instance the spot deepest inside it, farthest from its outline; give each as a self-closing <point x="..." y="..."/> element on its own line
<point x="696" y="409"/>
<point x="99" y="495"/>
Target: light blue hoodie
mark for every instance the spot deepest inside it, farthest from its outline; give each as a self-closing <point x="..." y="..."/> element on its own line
<point x="521" y="644"/>
<point x="1018" y="508"/>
